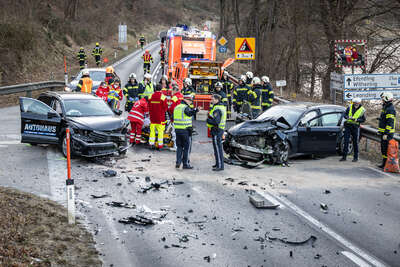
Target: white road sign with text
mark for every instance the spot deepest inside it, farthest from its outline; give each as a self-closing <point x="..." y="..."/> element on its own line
<point x="366" y="81"/>
<point x="369" y="94"/>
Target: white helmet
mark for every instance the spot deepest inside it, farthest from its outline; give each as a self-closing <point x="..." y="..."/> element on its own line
<point x="188" y="81"/>
<point x="132" y="76"/>
<point x="85" y="72"/>
<point x="218" y="84"/>
<point x="256" y="80"/>
<point x="226" y="73"/>
<point x="147" y="76"/>
<point x="243" y="78"/>
<point x="265" y="79"/>
<point x="357" y="100"/>
<point x="387" y="96"/>
<point x="249" y="74"/>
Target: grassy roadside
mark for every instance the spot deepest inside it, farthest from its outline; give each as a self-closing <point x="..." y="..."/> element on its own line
<point x="35" y="232"/>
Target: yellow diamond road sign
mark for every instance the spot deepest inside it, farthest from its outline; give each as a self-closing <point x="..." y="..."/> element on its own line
<point x="245" y="48"/>
<point x="222" y="41"/>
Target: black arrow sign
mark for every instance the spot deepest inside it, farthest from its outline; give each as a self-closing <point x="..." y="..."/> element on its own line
<point x="348" y="95"/>
<point x="348" y="81"/>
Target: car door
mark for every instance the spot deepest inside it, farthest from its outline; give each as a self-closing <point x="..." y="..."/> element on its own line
<point x="320" y="134"/>
<point x="40" y="124"/>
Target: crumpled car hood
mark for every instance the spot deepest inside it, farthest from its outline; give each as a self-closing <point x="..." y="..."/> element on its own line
<point x="99" y="123"/>
<point x="256" y="127"/>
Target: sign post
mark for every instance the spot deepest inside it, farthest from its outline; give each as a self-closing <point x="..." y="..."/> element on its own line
<point x="281" y="84"/>
<point x="336" y="84"/>
<point x="122" y="36"/>
<point x="70" y="183"/>
<point x="65" y="70"/>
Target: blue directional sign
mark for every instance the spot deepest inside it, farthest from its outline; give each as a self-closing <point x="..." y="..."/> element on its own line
<point x="222" y="49"/>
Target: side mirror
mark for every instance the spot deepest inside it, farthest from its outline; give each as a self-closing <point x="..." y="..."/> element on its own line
<point x="52" y="114"/>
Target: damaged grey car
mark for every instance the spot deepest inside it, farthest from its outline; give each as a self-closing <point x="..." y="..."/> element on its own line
<point x="287" y="130"/>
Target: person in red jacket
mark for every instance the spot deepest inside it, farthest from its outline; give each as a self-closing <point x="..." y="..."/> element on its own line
<point x="157" y="108"/>
<point x="117" y="87"/>
<point x="102" y="91"/>
<point x="136" y="117"/>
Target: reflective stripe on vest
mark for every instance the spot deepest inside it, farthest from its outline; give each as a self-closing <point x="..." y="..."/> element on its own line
<point x="222" y="123"/>
<point x="181" y="120"/>
<point x="356" y="115"/>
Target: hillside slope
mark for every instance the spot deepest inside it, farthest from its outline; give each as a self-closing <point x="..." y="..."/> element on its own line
<point x="35" y="35"/>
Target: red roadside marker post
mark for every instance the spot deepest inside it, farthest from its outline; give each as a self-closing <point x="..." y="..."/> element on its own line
<point x="70" y="183"/>
<point x="65" y="70"/>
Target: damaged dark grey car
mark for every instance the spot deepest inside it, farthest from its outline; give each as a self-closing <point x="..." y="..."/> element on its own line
<point x="95" y="129"/>
<point x="286" y="130"/>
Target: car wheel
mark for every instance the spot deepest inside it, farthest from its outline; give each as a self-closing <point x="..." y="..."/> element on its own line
<point x="122" y="152"/>
<point x="284" y="154"/>
<point x="33" y="144"/>
<point x="341" y="147"/>
<point x="63" y="147"/>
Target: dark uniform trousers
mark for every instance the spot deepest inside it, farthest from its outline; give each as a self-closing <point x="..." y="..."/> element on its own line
<point x="183" y="145"/>
<point x="352" y="131"/>
<point x="217" y="145"/>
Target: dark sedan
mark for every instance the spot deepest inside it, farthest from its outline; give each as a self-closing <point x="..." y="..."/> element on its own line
<point x="95" y="129"/>
<point x="285" y="130"/>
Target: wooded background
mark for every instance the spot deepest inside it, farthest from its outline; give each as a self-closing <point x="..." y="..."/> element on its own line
<point x="295" y="38"/>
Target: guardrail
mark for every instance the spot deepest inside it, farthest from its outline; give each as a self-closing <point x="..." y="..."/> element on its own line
<point x="29" y="87"/>
<point x="365" y="130"/>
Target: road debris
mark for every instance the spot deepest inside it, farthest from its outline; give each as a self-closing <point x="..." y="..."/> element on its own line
<point x="177" y="182"/>
<point x="310" y="240"/>
<point x="386" y="194"/>
<point x="121" y="205"/>
<point x="327" y="191"/>
<point x="137" y="219"/>
<point x="230" y="180"/>
<point x="243" y="183"/>
<point x="260" y="202"/>
<point x="324" y="207"/>
<point x="109" y="173"/>
<point x="144" y="160"/>
<point x="147" y="179"/>
<point x="317" y="256"/>
<point x="154" y="186"/>
<point x="99" y="196"/>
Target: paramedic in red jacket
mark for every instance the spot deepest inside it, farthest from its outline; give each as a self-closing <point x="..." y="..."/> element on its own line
<point x="136" y="117"/>
<point x="157" y="108"/>
<point x="102" y="91"/>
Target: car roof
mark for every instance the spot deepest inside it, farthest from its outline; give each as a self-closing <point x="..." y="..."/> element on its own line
<point x="69" y="95"/>
<point x="310" y="105"/>
<point x="95" y="69"/>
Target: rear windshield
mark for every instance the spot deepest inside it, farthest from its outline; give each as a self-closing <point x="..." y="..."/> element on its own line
<point x="95" y="75"/>
<point x="290" y="114"/>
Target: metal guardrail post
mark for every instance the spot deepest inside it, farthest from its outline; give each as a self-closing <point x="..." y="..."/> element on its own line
<point x="29" y="94"/>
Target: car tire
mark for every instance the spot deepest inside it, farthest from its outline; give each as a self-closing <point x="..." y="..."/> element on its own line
<point x="63" y="146"/>
<point x="33" y="144"/>
<point x="341" y="147"/>
<point x="284" y="156"/>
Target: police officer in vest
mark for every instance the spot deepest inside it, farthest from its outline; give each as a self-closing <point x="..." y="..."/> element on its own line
<point x="354" y="115"/>
<point x="216" y="122"/>
<point x="387" y="124"/>
<point x="131" y="92"/>
<point x="183" y="124"/>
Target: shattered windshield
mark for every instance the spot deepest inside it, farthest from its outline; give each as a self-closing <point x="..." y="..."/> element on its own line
<point x="290" y="114"/>
<point x="86" y="107"/>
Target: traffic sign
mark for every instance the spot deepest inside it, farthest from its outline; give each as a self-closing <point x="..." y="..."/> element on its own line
<point x="336" y="81"/>
<point x="222" y="49"/>
<point x="366" y="81"/>
<point x="281" y="83"/>
<point x="222" y="41"/>
<point x="245" y="48"/>
<point x="368" y="94"/>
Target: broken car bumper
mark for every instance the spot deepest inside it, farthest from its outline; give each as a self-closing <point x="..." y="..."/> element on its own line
<point x="88" y="149"/>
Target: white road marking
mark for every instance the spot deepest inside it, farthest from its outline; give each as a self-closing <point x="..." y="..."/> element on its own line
<point x="10" y="142"/>
<point x="354" y="258"/>
<point x="319" y="225"/>
<point x="271" y="199"/>
<point x="57" y="176"/>
<point x="381" y="172"/>
<point x="10" y="137"/>
<point x="156" y="72"/>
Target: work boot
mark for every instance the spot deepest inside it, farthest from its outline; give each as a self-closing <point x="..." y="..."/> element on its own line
<point x="343" y="159"/>
<point x="187" y="167"/>
<point x="355" y="159"/>
<point x="383" y="164"/>
<point x="177" y="166"/>
<point x="218" y="169"/>
<point x="214" y="166"/>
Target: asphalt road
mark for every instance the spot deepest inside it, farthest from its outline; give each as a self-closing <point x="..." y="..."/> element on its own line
<point x="209" y="216"/>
